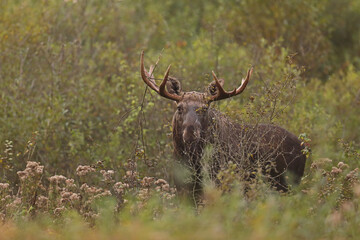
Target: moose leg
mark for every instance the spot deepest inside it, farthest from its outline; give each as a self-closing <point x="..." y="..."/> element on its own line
<point x="188" y="182"/>
<point x="278" y="181"/>
<point x="196" y="186"/>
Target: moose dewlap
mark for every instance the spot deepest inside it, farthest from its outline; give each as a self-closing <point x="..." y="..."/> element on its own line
<point x="196" y="124"/>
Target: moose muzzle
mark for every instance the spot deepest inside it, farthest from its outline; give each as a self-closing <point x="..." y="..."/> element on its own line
<point x="191" y="128"/>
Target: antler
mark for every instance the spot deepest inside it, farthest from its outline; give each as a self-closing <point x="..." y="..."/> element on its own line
<point x="151" y="83"/>
<point x="222" y="94"/>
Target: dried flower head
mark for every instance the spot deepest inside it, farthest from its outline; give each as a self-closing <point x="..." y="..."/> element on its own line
<point x="342" y="165"/>
<point x="69" y="197"/>
<point x="120" y="187"/>
<point x="84" y="170"/>
<point x="160" y="182"/>
<point x="42" y="202"/>
<point x="147" y="181"/>
<point x="56" y="179"/>
<point x="32" y="170"/>
<point x="108" y="175"/>
<point x="90" y="190"/>
<point x="70" y="183"/>
<point x="14" y="204"/>
<point x="165" y="187"/>
<point x="144" y="194"/>
<point x="335" y="170"/>
<point x="353" y="175"/>
<point x="4" y="186"/>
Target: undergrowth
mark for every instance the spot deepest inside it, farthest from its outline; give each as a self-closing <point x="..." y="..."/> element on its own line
<point x="85" y="147"/>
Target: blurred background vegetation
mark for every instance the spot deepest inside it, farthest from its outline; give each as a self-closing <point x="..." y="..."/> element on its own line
<point x="71" y="92"/>
<point x="70" y="83"/>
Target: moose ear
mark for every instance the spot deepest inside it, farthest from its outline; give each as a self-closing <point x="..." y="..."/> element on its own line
<point x="173" y="86"/>
<point x="212" y="89"/>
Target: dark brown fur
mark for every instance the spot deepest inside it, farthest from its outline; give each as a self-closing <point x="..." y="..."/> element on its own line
<point x="195" y="125"/>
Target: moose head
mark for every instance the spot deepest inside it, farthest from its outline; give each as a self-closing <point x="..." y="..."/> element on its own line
<point x="191" y="116"/>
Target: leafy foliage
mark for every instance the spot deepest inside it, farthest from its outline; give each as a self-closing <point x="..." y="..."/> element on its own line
<point x="71" y="94"/>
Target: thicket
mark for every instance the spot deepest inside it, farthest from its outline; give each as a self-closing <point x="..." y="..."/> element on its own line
<point x="71" y="94"/>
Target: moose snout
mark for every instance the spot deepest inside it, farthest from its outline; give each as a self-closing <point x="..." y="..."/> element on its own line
<point x="191" y="131"/>
<point x="191" y="134"/>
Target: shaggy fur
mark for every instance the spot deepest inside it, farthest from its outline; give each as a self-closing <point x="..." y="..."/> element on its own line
<point x="196" y="124"/>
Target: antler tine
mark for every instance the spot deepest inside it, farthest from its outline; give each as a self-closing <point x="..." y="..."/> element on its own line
<point x="145" y="76"/>
<point x="222" y="94"/>
<point x="160" y="90"/>
<point x="245" y="81"/>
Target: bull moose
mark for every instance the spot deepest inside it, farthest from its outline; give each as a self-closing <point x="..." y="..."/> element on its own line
<point x="196" y="124"/>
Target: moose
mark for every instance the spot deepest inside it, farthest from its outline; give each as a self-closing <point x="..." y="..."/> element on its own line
<point x="196" y="125"/>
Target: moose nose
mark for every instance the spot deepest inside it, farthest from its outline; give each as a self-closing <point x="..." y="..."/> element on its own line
<point x="191" y="132"/>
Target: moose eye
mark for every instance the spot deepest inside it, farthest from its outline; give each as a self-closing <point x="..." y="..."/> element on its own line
<point x="202" y="109"/>
<point x="179" y="109"/>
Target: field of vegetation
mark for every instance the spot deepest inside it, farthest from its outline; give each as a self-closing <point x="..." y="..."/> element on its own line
<point x="86" y="149"/>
